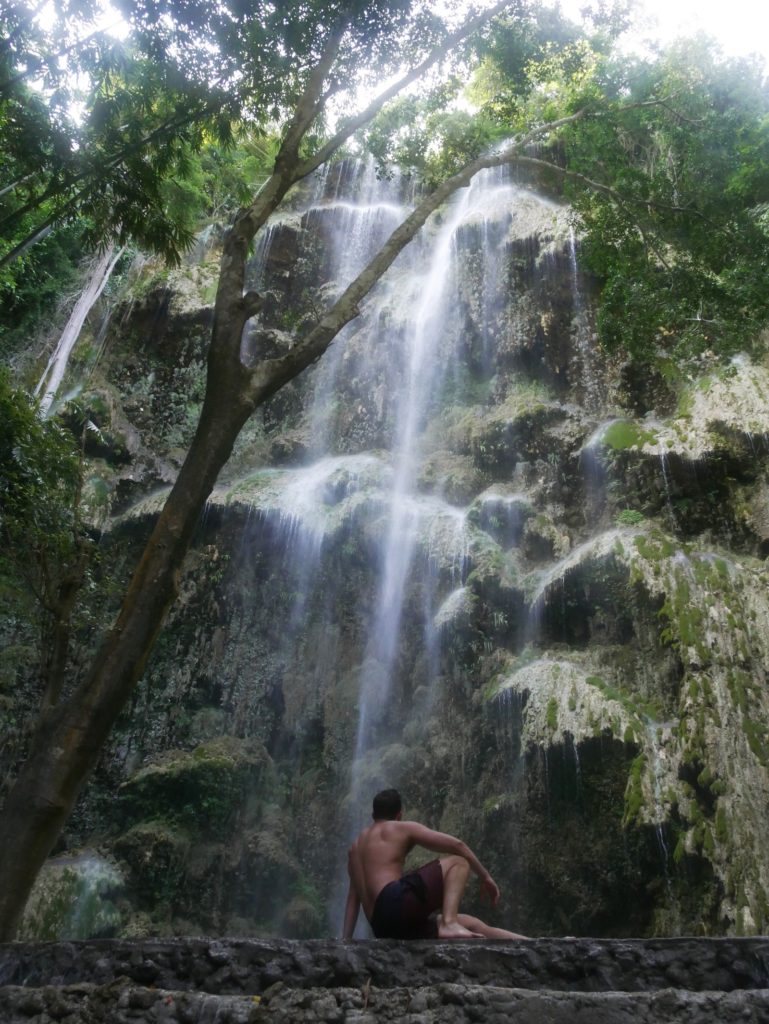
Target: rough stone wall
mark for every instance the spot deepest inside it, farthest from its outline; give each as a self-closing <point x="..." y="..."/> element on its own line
<point x="701" y="981"/>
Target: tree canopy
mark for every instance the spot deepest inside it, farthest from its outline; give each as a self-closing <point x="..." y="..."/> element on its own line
<point x="668" y="174"/>
<point x="667" y="169"/>
<point x="679" y="237"/>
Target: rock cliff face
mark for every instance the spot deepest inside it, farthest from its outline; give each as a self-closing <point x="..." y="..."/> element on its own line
<point x="467" y="555"/>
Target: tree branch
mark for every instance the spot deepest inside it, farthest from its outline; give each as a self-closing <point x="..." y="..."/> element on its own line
<point x="37" y="235"/>
<point x="251" y="218"/>
<point x="16" y="184"/>
<point x="270" y="375"/>
<point x="311" y="101"/>
<point x="621" y="201"/>
<point x="351" y="125"/>
<point x="36" y="63"/>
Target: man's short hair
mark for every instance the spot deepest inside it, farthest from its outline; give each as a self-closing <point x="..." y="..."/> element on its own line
<point x="387" y="805"/>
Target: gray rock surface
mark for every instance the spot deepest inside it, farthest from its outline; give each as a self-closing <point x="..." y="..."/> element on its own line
<point x="596" y="981"/>
<point x="438" y="1004"/>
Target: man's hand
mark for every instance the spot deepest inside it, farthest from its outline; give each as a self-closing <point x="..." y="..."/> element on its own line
<point x="491" y="889"/>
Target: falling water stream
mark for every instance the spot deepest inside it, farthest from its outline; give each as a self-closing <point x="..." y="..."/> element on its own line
<point x="415" y="315"/>
<point x="99" y="274"/>
<point x="405" y="363"/>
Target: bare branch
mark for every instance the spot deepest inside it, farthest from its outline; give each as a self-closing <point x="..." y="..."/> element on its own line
<point x="37" y="235"/>
<point x="665" y="103"/>
<point x="545" y="129"/>
<point x="269" y="376"/>
<point x="617" y="197"/>
<point x="16" y="184"/>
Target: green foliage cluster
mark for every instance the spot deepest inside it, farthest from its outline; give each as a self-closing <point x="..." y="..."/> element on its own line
<point x="33" y="287"/>
<point x="626" y="434"/>
<point x="107" y="169"/>
<point x="515" y="64"/>
<point x="106" y="134"/>
<point x="634" y="794"/>
<point x="47" y="555"/>
<point x="537" y="65"/>
<point x="629" y="517"/>
<point x="39" y="486"/>
<point x="424" y="135"/>
<point x="678" y="238"/>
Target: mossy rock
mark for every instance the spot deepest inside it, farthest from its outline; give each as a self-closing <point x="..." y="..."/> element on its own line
<point x="200" y="788"/>
<point x="542" y="540"/>
<point x="155" y="855"/>
<point x="624" y="434"/>
<point x="74" y="897"/>
<point x="502" y="442"/>
<point x="456" y="477"/>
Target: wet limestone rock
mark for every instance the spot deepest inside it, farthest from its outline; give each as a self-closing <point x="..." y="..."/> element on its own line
<point x="75" y="896"/>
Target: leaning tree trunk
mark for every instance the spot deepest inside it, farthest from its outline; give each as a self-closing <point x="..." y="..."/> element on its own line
<point x="70" y="737"/>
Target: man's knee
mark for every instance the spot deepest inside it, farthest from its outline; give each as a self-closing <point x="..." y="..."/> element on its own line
<point x="456" y="864"/>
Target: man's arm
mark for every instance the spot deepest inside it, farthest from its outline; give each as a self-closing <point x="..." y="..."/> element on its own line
<point x="442" y="842"/>
<point x="352" y="907"/>
<point x="350" y="913"/>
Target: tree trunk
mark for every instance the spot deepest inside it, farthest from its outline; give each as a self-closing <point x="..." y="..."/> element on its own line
<point x="69" y="738"/>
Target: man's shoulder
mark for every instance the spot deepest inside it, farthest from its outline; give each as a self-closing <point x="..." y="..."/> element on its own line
<point x="406" y="828"/>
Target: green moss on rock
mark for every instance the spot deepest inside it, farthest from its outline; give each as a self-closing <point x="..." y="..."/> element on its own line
<point x="197" y="788"/>
<point x="74" y="897"/>
<point x="625" y="434"/>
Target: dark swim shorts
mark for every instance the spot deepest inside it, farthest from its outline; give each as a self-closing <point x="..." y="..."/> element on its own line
<point x="402" y="909"/>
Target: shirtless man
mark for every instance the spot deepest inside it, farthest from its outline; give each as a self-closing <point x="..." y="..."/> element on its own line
<point x="402" y="906"/>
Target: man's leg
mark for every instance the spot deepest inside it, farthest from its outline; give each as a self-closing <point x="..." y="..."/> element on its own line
<point x="478" y="927"/>
<point x="455" y="871"/>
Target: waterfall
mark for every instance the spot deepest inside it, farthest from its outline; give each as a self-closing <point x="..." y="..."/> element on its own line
<point x="99" y="273"/>
<point x="582" y="328"/>
<point x="427" y="324"/>
<point x="355" y="231"/>
<point x="395" y="368"/>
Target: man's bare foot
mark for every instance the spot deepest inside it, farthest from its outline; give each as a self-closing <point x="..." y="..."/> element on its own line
<point x="456" y="931"/>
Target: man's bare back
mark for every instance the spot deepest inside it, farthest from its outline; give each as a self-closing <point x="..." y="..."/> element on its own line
<point x="377" y="857"/>
<point x="376" y="860"/>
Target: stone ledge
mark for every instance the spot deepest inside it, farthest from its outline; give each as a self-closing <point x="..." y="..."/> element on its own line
<point x="239" y="966"/>
<point x="122" y="1002"/>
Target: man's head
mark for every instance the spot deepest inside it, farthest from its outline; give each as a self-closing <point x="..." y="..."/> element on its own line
<point x="387" y="805"/>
